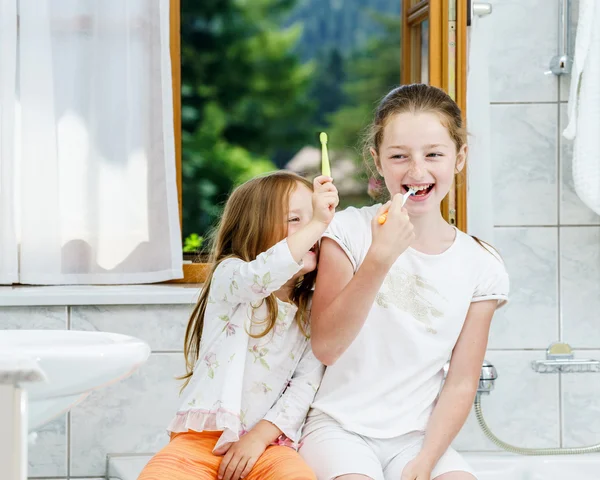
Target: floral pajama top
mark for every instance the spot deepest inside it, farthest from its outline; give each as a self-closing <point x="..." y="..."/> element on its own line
<point x="239" y="380"/>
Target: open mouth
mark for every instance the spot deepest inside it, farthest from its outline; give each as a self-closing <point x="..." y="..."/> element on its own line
<point x="314" y="248"/>
<point x="420" y="190"/>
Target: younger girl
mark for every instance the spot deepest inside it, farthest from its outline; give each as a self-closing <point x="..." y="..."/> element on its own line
<point x="251" y="375"/>
<point x="394" y="301"/>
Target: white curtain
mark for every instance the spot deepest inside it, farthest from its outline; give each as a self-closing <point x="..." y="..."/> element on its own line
<point x="480" y="221"/>
<point x="95" y="195"/>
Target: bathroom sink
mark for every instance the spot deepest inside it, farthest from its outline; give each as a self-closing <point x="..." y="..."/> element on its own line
<point x="75" y="363"/>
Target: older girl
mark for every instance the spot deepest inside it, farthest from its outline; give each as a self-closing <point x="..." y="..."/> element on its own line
<point x="394" y="301"/>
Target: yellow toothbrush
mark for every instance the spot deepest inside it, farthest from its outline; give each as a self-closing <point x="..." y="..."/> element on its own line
<point x="325" y="168"/>
<point x="383" y="217"/>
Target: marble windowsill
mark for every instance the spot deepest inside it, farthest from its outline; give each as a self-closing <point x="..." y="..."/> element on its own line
<point x="98" y="295"/>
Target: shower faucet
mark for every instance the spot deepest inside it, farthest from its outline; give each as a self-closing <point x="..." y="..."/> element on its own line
<point x="487" y="377"/>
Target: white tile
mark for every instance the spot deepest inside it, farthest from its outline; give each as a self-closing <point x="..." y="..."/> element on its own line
<point x="162" y="326"/>
<point x="128" y="417"/>
<point x="525" y="36"/>
<point x="581" y="405"/>
<point x="524" y="164"/>
<point x="33" y="318"/>
<point x="127" y="467"/>
<point x="530" y="320"/>
<point x="565" y="80"/>
<point x="572" y="210"/>
<point x="580" y="285"/>
<point x="48" y="454"/>
<point x="522" y="410"/>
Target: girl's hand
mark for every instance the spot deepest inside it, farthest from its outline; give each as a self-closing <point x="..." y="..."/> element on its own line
<point x="325" y="198"/>
<point x="417" y="469"/>
<point x="392" y="238"/>
<point x="240" y="457"/>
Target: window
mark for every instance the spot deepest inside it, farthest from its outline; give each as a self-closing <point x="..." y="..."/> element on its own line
<point x="434" y="48"/>
<point x="270" y="45"/>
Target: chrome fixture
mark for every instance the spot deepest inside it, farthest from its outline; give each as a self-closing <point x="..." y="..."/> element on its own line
<point x="481" y="9"/>
<point x="487" y="377"/>
<point x="561" y="64"/>
<point x="560" y="359"/>
<point x="486" y="385"/>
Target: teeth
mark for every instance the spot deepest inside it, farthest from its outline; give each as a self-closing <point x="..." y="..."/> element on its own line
<point x="419" y="187"/>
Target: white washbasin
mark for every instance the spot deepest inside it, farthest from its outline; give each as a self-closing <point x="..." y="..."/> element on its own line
<point x="75" y="363"/>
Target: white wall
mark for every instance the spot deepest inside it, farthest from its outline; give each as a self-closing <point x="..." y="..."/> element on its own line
<point x="548" y="238"/>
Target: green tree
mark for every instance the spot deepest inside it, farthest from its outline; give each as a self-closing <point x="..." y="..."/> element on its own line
<point x="244" y="96"/>
<point x="342" y="24"/>
<point x="327" y="88"/>
<point x="373" y="70"/>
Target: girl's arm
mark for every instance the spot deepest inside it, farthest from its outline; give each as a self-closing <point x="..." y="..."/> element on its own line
<point x="458" y="393"/>
<point x="290" y="410"/>
<point x="237" y="281"/>
<point x="286" y="417"/>
<point x="342" y="298"/>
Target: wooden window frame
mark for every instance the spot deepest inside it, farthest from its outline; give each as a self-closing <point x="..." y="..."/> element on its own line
<point x="192" y="272"/>
<point x="447" y="70"/>
<point x="453" y="81"/>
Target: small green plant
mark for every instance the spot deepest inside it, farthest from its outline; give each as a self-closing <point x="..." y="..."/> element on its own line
<point x="193" y="243"/>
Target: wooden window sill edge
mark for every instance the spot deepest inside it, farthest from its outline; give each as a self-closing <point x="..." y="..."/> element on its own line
<point x="193" y="273"/>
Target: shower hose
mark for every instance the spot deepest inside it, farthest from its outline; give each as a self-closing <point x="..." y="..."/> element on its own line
<point x="527" y="451"/>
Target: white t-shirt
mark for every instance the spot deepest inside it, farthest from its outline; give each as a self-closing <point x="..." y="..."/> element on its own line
<point x="387" y="381"/>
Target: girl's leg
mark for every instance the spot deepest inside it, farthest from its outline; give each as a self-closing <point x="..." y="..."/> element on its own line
<point x="281" y="463"/>
<point x="451" y="466"/>
<point x="188" y="456"/>
<point x="456" y="476"/>
<point x="335" y="453"/>
<point x="353" y="477"/>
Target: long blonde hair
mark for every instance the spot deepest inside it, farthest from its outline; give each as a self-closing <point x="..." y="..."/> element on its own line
<point x="252" y="222"/>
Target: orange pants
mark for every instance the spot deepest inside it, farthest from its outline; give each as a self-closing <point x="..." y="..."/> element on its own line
<point x="188" y="456"/>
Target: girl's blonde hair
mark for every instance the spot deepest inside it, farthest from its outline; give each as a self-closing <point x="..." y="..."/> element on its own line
<point x="252" y="222"/>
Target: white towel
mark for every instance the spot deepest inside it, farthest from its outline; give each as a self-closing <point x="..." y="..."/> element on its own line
<point x="584" y="106"/>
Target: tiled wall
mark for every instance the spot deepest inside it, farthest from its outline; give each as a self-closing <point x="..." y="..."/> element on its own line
<point x="128" y="417"/>
<point x="548" y="238"/>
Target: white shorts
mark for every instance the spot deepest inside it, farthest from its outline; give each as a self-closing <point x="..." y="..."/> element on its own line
<point x="332" y="451"/>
